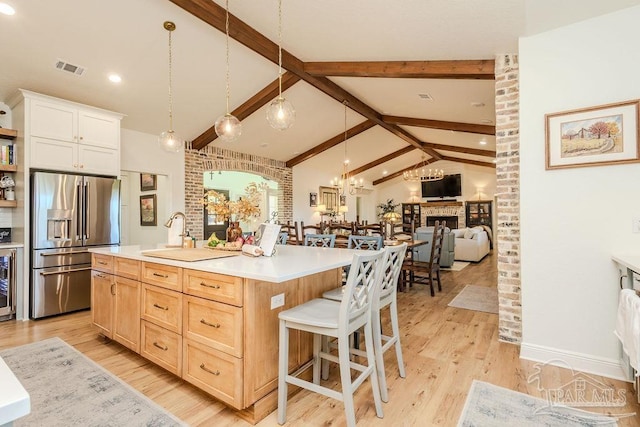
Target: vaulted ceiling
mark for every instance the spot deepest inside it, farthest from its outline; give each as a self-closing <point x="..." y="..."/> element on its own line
<point x="386" y="58"/>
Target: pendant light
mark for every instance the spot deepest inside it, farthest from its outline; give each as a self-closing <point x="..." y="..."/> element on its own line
<point x="228" y="127"/>
<point x="280" y="113"/>
<point x="168" y="140"/>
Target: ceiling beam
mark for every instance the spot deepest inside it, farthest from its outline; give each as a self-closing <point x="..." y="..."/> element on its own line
<point x="466" y="150"/>
<point x="470" y="162"/>
<point x="382" y="160"/>
<point x="400" y="172"/>
<point x="441" y="124"/>
<point x="461" y="69"/>
<point x="215" y="15"/>
<point x="252" y="105"/>
<point x="331" y="142"/>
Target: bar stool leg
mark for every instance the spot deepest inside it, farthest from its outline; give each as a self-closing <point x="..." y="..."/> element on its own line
<point x="395" y="328"/>
<point x="283" y="371"/>
<point x="345" y="377"/>
<point x="317" y="363"/>
<point x="371" y="361"/>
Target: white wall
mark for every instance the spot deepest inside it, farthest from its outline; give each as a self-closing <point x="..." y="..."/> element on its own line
<point x="140" y="152"/>
<point x="572" y="220"/>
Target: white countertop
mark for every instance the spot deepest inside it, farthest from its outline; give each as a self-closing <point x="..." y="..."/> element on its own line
<point x="14" y="399"/>
<point x="631" y="261"/>
<point x="289" y="262"/>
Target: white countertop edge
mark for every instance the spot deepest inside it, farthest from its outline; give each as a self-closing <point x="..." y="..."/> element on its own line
<point x="631" y="261"/>
<point x="290" y="262"/>
<point x="14" y="399"/>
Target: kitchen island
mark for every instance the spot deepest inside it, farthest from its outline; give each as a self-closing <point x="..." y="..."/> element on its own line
<point x="214" y="322"/>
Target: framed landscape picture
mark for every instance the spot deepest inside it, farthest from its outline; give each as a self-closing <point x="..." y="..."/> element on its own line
<point x="148" y="182"/>
<point x="594" y="136"/>
<point x="148" y="210"/>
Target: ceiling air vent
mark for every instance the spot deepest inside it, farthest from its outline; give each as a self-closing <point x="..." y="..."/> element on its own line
<point x="70" y="68"/>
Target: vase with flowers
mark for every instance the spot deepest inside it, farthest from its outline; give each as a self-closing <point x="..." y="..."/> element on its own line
<point x="246" y="208"/>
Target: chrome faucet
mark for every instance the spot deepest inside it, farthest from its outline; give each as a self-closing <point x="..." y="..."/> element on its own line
<point x="184" y="222"/>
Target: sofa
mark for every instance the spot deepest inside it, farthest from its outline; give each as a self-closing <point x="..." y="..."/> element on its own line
<point x="471" y="244"/>
<point x="423" y="252"/>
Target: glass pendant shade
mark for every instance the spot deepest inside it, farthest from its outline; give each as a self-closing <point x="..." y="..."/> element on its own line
<point x="228" y="128"/>
<point x="170" y="142"/>
<point x="281" y="114"/>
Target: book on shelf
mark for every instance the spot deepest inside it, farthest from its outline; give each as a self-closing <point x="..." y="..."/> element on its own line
<point x="8" y="154"/>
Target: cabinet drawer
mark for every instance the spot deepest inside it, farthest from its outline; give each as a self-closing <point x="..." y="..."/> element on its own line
<point x="162" y="307"/>
<point x="165" y="276"/>
<point x="217" y="373"/>
<point x="102" y="263"/>
<point x="214" y="324"/>
<point x="162" y="347"/>
<point x="218" y="287"/>
<point x="128" y="268"/>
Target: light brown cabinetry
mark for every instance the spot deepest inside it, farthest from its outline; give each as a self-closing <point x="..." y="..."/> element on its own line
<point x="217" y="332"/>
<point x="102" y="293"/>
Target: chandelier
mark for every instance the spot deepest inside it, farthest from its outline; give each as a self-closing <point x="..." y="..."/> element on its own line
<point x="353" y="186"/>
<point x="420" y="173"/>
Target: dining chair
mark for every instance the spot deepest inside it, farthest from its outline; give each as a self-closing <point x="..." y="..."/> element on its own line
<point x="292" y="233"/>
<point x="311" y="229"/>
<point x="320" y="240"/>
<point x="385" y="296"/>
<point x="326" y="318"/>
<point x="427" y="271"/>
<point x="365" y="242"/>
<point x="282" y="238"/>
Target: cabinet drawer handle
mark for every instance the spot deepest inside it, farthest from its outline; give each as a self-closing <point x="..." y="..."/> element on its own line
<point x="209" y="286"/>
<point x="164" y="276"/>
<point x="102" y="263"/>
<point x="113" y="292"/>
<point x="163" y="348"/>
<point x="161" y="307"/>
<point x="102" y="276"/>
<point x="204" y="322"/>
<point x="204" y="368"/>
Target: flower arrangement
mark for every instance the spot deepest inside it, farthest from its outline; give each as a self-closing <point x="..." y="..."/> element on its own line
<point x="387" y="207"/>
<point x="243" y="209"/>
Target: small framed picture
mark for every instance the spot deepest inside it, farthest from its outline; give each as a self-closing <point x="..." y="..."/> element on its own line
<point x="343" y="200"/>
<point x="148" y="210"/>
<point x="313" y="200"/>
<point x="148" y="182"/>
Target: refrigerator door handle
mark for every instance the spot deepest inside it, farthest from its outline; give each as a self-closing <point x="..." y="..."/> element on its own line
<point x="86" y="210"/>
<point x="79" y="224"/>
<point x="73" y="270"/>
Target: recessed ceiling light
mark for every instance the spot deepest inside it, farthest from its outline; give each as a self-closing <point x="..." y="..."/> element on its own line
<point x="264" y="144"/>
<point x="477" y="104"/>
<point x="384" y="172"/>
<point x="114" y="78"/>
<point x="5" y="9"/>
<point x="425" y="96"/>
<point x="483" y="142"/>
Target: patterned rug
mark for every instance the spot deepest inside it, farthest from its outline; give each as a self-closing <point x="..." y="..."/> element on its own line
<point x="68" y="389"/>
<point x="488" y="405"/>
<point x="478" y="298"/>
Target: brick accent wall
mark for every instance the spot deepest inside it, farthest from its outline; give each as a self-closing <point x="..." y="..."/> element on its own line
<point x="508" y="197"/>
<point x="215" y="158"/>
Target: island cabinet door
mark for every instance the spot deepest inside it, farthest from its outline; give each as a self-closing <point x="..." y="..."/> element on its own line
<point x="126" y="329"/>
<point x="102" y="300"/>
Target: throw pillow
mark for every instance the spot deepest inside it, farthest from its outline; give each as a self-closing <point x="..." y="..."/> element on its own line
<point x="469" y="233"/>
<point x="459" y="233"/>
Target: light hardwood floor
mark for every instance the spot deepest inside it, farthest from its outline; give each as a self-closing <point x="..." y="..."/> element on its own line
<point x="445" y="349"/>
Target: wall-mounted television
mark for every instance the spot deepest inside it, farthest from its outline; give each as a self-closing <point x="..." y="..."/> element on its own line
<point x="449" y="186"/>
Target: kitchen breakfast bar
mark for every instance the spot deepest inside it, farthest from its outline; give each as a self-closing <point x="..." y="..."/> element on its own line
<point x="213" y="322"/>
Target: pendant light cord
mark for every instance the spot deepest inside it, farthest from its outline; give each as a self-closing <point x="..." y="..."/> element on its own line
<point x="170" y="85"/>
<point x="280" y="48"/>
<point x="346" y="161"/>
<point x="227" y="56"/>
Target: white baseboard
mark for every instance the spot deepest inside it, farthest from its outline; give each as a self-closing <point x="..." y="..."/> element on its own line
<point x="605" y="367"/>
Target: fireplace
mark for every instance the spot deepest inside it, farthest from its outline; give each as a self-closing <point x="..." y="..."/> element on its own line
<point x="452" y="221"/>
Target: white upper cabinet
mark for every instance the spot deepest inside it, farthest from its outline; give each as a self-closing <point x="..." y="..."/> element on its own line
<point x="73" y="137"/>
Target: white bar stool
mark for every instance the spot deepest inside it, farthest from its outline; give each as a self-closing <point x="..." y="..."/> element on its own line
<point x="386" y="295"/>
<point x="325" y="318"/>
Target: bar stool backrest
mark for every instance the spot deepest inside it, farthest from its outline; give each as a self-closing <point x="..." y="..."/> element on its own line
<point x="365" y="274"/>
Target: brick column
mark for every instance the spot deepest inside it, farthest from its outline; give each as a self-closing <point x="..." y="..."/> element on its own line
<point x="508" y="197"/>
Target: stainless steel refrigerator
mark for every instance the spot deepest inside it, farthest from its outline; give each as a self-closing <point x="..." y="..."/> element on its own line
<point x="69" y="213"/>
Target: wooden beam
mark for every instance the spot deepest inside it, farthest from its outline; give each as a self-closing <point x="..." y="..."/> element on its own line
<point x="462" y="69"/>
<point x="442" y="125"/>
<point x="470" y="162"/>
<point x="215" y="15"/>
<point x="466" y="150"/>
<point x="252" y="105"/>
<point x="382" y="160"/>
<point x="400" y="172"/>
<point x="331" y="142"/>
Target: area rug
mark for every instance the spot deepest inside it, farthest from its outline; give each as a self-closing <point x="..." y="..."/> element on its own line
<point x="478" y="298"/>
<point x="68" y="389"/>
<point x="456" y="266"/>
<point x="488" y="405"/>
